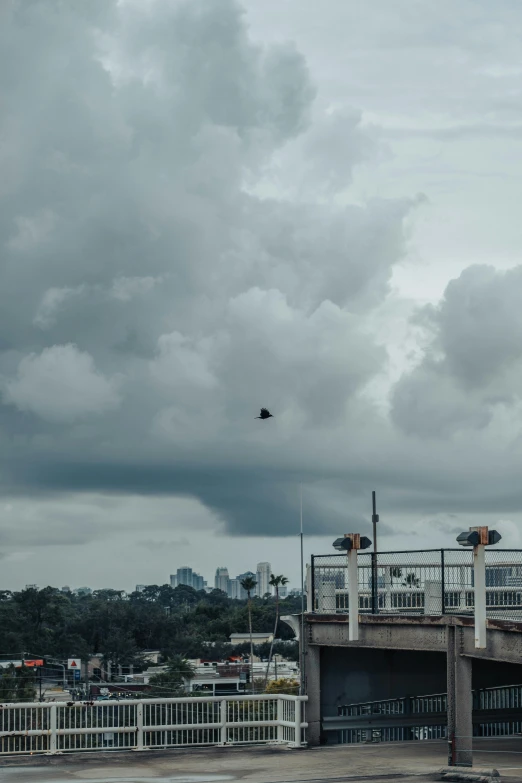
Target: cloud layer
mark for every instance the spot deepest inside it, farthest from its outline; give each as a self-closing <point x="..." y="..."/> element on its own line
<point x="182" y="245"/>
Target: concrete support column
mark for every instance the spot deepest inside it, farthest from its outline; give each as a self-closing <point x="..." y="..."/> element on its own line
<point x="313" y="691"/>
<point x="310" y="599"/>
<point x="460" y="702"/>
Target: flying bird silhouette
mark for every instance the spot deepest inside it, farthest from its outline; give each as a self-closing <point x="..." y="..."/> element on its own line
<point x="265" y="414"/>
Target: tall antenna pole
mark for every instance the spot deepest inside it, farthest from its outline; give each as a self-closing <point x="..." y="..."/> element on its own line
<point x="302" y="593"/>
<point x="375" y="582"/>
<point x="375" y="519"/>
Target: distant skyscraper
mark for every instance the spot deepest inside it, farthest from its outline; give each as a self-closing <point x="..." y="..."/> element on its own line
<point x="198" y="583"/>
<point x="140" y="588"/>
<point x="283" y="591"/>
<point x="222" y="579"/>
<point x="234" y="588"/>
<point x="263" y="579"/>
<point x="186" y="576"/>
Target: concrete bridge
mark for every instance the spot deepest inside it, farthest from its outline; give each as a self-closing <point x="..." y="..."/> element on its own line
<point x="425" y="642"/>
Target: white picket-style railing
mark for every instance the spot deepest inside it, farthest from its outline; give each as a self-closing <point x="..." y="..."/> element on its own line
<point x="147" y="724"/>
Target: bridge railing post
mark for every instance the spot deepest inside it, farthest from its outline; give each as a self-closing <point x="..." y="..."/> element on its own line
<point x="375" y="584"/>
<point x="442" y="582"/>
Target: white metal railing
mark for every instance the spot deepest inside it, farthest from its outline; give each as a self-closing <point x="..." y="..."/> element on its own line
<point x="332" y="599"/>
<point x="149" y="723"/>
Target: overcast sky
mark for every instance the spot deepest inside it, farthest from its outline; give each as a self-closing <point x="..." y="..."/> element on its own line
<point x="209" y="206"/>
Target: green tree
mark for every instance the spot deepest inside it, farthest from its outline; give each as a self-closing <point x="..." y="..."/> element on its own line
<point x="17" y="684"/>
<point x="249" y="584"/>
<point x="175" y="621"/>
<point x="171" y="683"/>
<point x="276" y="582"/>
<point x="283" y="686"/>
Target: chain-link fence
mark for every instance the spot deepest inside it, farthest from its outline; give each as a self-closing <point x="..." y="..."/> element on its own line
<point x="504" y="584"/>
<point x="432" y="582"/>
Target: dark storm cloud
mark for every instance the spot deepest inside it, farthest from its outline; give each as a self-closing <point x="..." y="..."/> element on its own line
<point x="246" y="502"/>
<point x="153" y="299"/>
<point x="179" y="248"/>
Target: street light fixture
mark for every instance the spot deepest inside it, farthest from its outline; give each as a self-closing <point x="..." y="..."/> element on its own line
<point x="468" y="539"/>
<point x="351" y="543"/>
<point x="479" y="535"/>
<point x="479" y="538"/>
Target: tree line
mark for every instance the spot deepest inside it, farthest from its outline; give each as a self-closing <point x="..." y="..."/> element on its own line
<point x="179" y="622"/>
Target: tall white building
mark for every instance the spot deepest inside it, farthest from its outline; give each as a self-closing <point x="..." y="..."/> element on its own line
<point x="263" y="579"/>
<point x="222" y="579"/>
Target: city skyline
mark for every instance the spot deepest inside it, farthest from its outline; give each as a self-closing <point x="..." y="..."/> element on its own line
<point x="186" y="575"/>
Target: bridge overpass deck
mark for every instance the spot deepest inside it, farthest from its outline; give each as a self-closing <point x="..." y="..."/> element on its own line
<point x="398" y="655"/>
<point x="420" y="761"/>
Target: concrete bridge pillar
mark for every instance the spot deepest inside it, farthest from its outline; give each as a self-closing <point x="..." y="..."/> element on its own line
<point x="460" y="701"/>
<point x="313" y="690"/>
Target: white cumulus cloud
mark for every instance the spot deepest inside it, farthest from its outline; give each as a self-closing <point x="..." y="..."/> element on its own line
<point x="60" y="385"/>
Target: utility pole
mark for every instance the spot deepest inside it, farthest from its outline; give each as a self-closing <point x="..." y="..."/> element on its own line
<point x="375" y="519"/>
<point x="375" y="581"/>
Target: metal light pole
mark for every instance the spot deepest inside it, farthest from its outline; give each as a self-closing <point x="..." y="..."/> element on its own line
<point x="351" y="543"/>
<point x="479" y="538"/>
<point x="375" y="519"/>
<point x="375" y="582"/>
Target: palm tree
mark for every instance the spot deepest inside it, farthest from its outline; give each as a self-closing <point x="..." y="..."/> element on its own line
<point x="181" y="667"/>
<point x="276" y="582"/>
<point x="248" y="584"/>
<point x="171" y="683"/>
<point x="411" y="580"/>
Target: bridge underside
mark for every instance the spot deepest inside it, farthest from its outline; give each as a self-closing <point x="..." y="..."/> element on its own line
<point x="410" y="655"/>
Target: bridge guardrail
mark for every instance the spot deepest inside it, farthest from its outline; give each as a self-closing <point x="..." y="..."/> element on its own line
<point x="148" y="724"/>
<point x="496" y="713"/>
<point x="422" y="582"/>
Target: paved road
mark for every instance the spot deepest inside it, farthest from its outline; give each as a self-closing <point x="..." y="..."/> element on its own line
<point x="262" y="765"/>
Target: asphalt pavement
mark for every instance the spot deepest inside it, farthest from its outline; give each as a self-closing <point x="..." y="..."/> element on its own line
<point x="419" y="761"/>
